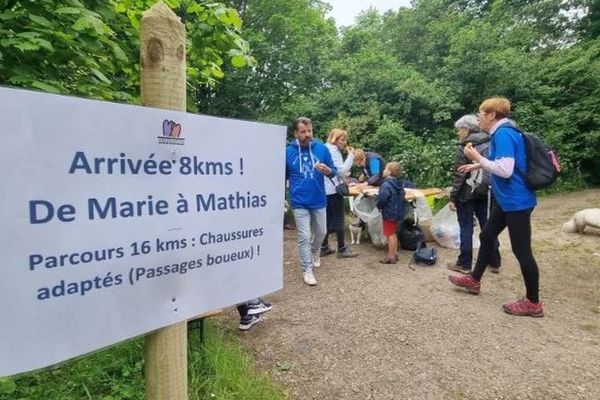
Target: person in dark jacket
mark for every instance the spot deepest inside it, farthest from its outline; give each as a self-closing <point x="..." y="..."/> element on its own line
<point x="372" y="165"/>
<point x="390" y="201"/>
<point x="470" y="195"/>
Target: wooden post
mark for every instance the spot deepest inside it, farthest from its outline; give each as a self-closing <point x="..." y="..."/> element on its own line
<point x="162" y="58"/>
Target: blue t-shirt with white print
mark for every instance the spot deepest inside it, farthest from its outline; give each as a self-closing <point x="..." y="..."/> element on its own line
<point x="307" y="186"/>
<point x="512" y="194"/>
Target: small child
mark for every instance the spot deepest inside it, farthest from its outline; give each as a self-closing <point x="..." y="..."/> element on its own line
<point x="390" y="202"/>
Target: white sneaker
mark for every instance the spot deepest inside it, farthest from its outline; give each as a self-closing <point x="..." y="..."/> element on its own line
<point x="309" y="278"/>
<point x="316" y="259"/>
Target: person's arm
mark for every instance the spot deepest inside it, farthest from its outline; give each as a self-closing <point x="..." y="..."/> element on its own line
<point x="503" y="164"/>
<point x="459" y="177"/>
<point x="502" y="167"/>
<point x="343" y="167"/>
<point x="383" y="197"/>
<point x="329" y="162"/>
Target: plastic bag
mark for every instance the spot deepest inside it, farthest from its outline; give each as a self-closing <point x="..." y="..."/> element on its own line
<point x="446" y="231"/>
<point x="422" y="209"/>
<point x="366" y="209"/>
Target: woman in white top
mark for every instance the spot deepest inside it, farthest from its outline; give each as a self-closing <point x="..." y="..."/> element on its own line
<point x="336" y="143"/>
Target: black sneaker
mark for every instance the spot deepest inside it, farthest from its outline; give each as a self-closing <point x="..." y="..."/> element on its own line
<point x="346" y="253"/>
<point x="249" y="321"/>
<point x="259" y="308"/>
<point x="458" y="268"/>
<point x="327" y="251"/>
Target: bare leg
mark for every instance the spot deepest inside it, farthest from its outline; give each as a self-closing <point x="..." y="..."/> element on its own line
<point x="392" y="246"/>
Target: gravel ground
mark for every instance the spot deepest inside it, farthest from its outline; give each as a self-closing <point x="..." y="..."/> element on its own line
<point x="374" y="331"/>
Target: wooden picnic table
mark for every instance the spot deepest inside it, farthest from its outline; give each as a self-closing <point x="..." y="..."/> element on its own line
<point x="410" y="194"/>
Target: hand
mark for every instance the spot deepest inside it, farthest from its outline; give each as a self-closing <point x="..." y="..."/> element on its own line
<point x="452" y="206"/>
<point x="350" y="149"/>
<point x="471" y="152"/>
<point x="463" y="169"/>
<point x="324" y="169"/>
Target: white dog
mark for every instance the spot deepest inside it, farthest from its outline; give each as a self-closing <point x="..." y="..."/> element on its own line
<point x="356" y="226"/>
<point x="581" y="219"/>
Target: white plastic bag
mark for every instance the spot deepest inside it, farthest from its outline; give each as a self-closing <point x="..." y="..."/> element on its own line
<point x="366" y="209"/>
<point x="422" y="209"/>
<point x="445" y="229"/>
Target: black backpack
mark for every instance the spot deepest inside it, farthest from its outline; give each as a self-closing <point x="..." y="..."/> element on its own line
<point x="410" y="235"/>
<point x="425" y="255"/>
<point x="543" y="166"/>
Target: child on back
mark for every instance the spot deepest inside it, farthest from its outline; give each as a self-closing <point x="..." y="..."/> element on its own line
<point x="390" y="202"/>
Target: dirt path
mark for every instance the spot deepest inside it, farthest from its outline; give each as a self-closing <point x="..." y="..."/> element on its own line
<point x="374" y="331"/>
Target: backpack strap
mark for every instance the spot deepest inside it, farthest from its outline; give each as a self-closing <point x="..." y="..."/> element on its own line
<point x="412" y="258"/>
<point x="516" y="128"/>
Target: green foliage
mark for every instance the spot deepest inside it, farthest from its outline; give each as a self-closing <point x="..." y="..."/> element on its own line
<point x="219" y="368"/>
<point x="398" y="81"/>
<point x="430" y="164"/>
<point x="7" y="387"/>
<point x="225" y="372"/>
<point x="91" y="47"/>
<point x="57" y="47"/>
<point x="115" y="373"/>
<point x="292" y="42"/>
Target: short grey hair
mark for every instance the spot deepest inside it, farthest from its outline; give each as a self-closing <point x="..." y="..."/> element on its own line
<point x="468" y="122"/>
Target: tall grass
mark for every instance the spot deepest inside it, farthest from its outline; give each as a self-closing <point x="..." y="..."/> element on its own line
<point x="219" y="368"/>
<point x="224" y="372"/>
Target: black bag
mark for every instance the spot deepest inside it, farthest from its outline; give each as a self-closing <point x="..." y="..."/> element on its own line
<point x="410" y="235"/>
<point x="342" y="189"/>
<point x="425" y="255"/>
<point x="542" y="163"/>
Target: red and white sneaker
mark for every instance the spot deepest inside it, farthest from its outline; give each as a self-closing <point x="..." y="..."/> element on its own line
<point x="467" y="282"/>
<point x="524" y="308"/>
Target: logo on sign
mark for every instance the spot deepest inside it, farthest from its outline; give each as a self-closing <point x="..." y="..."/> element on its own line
<point x="171" y="133"/>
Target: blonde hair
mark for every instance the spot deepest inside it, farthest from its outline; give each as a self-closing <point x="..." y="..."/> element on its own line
<point x="395" y="168"/>
<point x="359" y="155"/>
<point x="498" y="105"/>
<point x="335" y="134"/>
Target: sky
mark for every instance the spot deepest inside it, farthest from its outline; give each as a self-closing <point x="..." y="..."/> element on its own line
<point x="344" y="11"/>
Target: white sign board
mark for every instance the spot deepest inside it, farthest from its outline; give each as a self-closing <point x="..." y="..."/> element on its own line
<point x="117" y="220"/>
